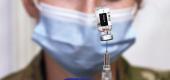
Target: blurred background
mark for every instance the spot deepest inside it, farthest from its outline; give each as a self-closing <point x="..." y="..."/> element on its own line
<point x="151" y="50"/>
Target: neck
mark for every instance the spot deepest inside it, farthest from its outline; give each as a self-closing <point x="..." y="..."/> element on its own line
<point x="55" y="72"/>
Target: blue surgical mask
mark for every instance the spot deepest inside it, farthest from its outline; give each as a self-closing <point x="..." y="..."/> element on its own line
<point x="73" y="40"/>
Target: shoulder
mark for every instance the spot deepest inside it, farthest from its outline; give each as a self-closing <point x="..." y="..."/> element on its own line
<point x="20" y="75"/>
<point x="31" y="71"/>
<point x="131" y="72"/>
<point x="150" y="74"/>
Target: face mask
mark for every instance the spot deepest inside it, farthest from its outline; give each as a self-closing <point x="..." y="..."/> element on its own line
<point x="73" y="40"/>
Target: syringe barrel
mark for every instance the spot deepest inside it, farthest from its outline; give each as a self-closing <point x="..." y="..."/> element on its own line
<point x="106" y="73"/>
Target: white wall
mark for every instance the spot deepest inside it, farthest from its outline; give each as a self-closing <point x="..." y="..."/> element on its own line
<point x="22" y="27"/>
<point x="152" y="25"/>
<point x="16" y="46"/>
<point x="5" y="38"/>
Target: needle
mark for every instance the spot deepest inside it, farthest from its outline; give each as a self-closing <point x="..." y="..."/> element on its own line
<point x="106" y="55"/>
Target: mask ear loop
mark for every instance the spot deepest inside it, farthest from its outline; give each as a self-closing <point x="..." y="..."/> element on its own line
<point x="135" y="8"/>
<point x="37" y="4"/>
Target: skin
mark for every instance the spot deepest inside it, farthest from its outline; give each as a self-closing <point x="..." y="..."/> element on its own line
<point x="55" y="71"/>
<point x="86" y="6"/>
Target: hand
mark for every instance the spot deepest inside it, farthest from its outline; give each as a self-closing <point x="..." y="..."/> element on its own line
<point x="31" y="8"/>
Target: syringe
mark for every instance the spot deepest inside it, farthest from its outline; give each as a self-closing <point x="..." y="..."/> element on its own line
<point x="106" y="73"/>
<point x="104" y="27"/>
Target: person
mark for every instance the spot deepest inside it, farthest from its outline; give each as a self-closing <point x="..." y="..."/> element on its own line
<point x="71" y="48"/>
